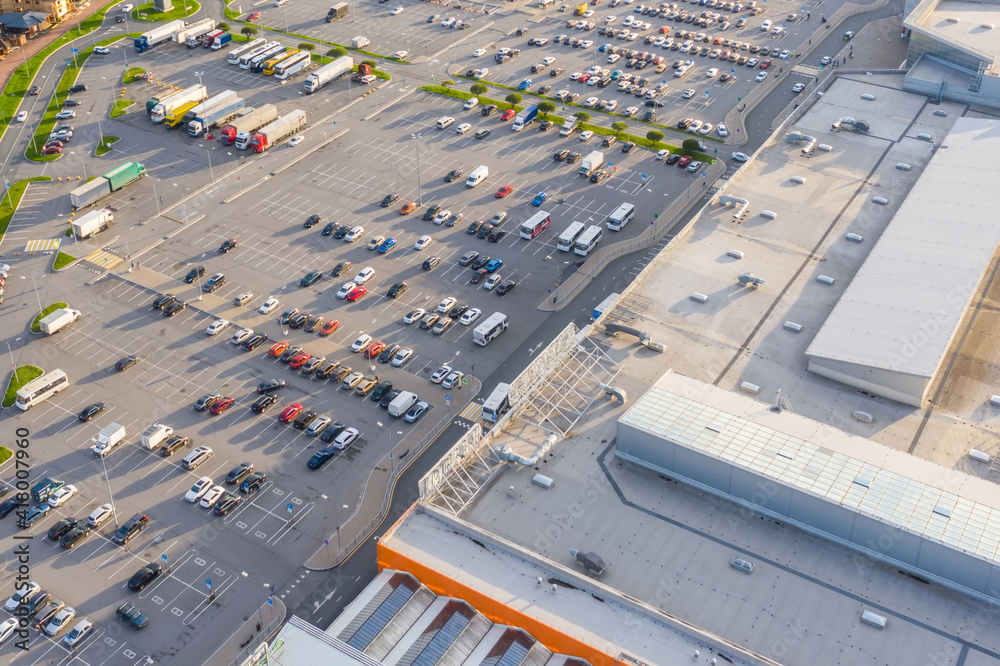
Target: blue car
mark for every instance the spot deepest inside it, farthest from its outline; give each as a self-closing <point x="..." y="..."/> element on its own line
<point x="494" y="265"/>
<point x="603" y="47"/>
<point x="539" y="199"/>
<point x="617" y="74"/>
<point x="320" y="457"/>
<point x="524" y="84"/>
<point x="386" y="245"/>
<point x="35" y="515"/>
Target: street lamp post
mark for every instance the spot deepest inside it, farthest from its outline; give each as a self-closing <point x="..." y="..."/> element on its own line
<point x="209" y="155"/>
<point x="416" y="145"/>
<point x="260" y="605"/>
<point x="114" y="512"/>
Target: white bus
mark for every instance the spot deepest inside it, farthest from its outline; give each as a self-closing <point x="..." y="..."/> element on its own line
<point x="621" y="217"/>
<point x="292" y="65"/>
<point x="234" y="55"/>
<point x="535" y="224"/>
<point x="497" y="403"/>
<point x="489" y="329"/>
<point x="588" y="241"/>
<point x="567" y="239"/>
<point x="41" y="389"/>
<point x="248" y="60"/>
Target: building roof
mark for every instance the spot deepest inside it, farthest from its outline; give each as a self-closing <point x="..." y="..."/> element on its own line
<point x="302" y="644"/>
<point x="903" y="307"/>
<point x="23" y="21"/>
<point x="969" y="33"/>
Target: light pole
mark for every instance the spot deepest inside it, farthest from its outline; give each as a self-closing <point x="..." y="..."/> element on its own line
<point x="114" y="513"/>
<point x="416" y="145"/>
<point x="236" y="160"/>
<point x="84" y="163"/>
<point x="199" y="75"/>
<point x="209" y="155"/>
<point x="260" y="606"/>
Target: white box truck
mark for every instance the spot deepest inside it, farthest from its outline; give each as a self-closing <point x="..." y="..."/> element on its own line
<point x="93" y="223"/>
<point x="154" y="435"/>
<point x="327" y="73"/>
<point x="359" y="42"/>
<point x="56" y="319"/>
<point x="106" y="440"/>
<point x="591" y="163"/>
<point x="402" y="403"/>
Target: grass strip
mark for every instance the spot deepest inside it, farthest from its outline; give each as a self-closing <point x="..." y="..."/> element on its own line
<point x="148" y="13"/>
<point x="41" y="315"/>
<point x="63" y="260"/>
<point x="19" y="377"/>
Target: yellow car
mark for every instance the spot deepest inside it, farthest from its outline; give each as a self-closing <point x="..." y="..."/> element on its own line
<point x="408" y="208"/>
<point x="660" y="68"/>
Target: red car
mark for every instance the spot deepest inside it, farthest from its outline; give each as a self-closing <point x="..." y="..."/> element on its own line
<point x="277" y="349"/>
<point x="221" y="405"/>
<point x="584" y="78"/>
<point x="299" y="360"/>
<point x="684" y="161"/>
<point x="507" y="115"/>
<point x="504" y="191"/>
<point x="290" y="412"/>
<point x="356" y="293"/>
<point x="51" y="150"/>
<point x="374" y="349"/>
<point x="328" y="328"/>
<point x="253" y="16"/>
<point x="764" y="64"/>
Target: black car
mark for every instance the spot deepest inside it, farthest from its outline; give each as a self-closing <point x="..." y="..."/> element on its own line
<point x="213" y="283"/>
<point x="130" y="529"/>
<point x="598" y="176"/>
<point x="299" y="320"/>
<point x="262" y="403"/>
<point x="129" y="614"/>
<point x="34" y="90"/>
<point x="655" y="103"/>
<point x="305" y="419"/>
<point x="75" y="535"/>
<point x="173" y="444"/>
<point x="388" y="199"/>
<point x="71" y="102"/>
<point x="380" y="390"/>
<point x="468" y="258"/>
<point x="254" y="341"/>
<point x="126" y="363"/>
<point x="332" y="430"/>
<point x="487" y="110"/>
<point x="174" y="308"/>
<point x="341" y="231"/>
<point x="478" y="276"/>
<point x="484" y="231"/>
<point x="672" y="158"/>
<point x="397" y="290"/>
<point x="310" y="278"/>
<point x="432" y="212"/>
<point x="78" y="88"/>
<point x="163" y="301"/>
<point x="496" y="235"/>
<point x="561" y="155"/>
<point x="320" y="457"/>
<point x="458" y="310"/>
<point x="340" y="269"/>
<point x="206" y="401"/>
<point x="227" y="504"/>
<point x="474" y="227"/>
<point x="195" y="273"/>
<point x="90" y="411"/>
<point x="227" y="246"/>
<point x="453" y="175"/>
<point x="329" y="228"/>
<point x="8" y="506"/>
<point x="506" y="288"/>
<point x="327" y="370"/>
<point x="388" y="397"/>
<point x="239" y="473"/>
<point x="57" y="531"/>
<point x="480" y="262"/>
<point x="546" y="126"/>
<point x="145" y="576"/>
<point x="628" y="147"/>
<point x="311" y="221"/>
<point x="430" y="263"/>
<point x="649" y="116"/>
<point x="289" y="353"/>
<point x="254" y="482"/>
<point x="37" y="602"/>
<point x="270" y="385"/>
<point x="573" y="158"/>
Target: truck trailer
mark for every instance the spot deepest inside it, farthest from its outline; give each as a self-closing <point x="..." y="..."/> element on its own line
<point x="164" y="106"/>
<point x="524" y="118"/>
<point x="102" y="186"/>
<point x="161" y="98"/>
<point x="249" y="122"/>
<point x="163" y="33"/>
<point x="57" y="319"/>
<point x="220" y="115"/>
<point x="591" y="163"/>
<point x="208" y="106"/>
<point x="194" y="31"/>
<point x="338" y="11"/>
<point x="93" y="223"/>
<point x="175" y="117"/>
<point x="329" y="72"/>
<point x="280" y="129"/>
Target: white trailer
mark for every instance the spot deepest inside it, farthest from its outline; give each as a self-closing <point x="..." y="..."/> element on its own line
<point x="93" y="223"/>
<point x="170" y="104"/>
<point x="165" y="32"/>
<point x="329" y="72"/>
<point x="279" y="130"/>
<point x="196" y="29"/>
<point x="57" y="319"/>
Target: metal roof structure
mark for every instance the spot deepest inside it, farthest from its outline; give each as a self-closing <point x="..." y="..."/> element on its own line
<point x="891" y="328"/>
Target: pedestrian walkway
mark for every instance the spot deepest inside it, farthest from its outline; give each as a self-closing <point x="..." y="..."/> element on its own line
<point x="473" y="412"/>
<point x="104" y="259"/>
<point x="42" y="245"/>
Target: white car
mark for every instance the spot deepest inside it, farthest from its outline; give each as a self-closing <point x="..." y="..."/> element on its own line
<point x="423" y="243"/>
<point x="440" y="374"/>
<point x="78" y="633"/>
<point x="268" y="306"/>
<point x="442" y="216"/>
<point x="492" y="281"/>
<point x="478" y="53"/>
<point x="447" y="304"/>
<point x="586" y="44"/>
<point x="198" y="490"/>
<point x="472" y="103"/>
<point x="541" y="42"/>
<point x="612" y="105"/>
<point x="217" y="326"/>
<point x="126" y="8"/>
<point x="741" y="157"/>
<point x="706" y="129"/>
<point x="712" y="73"/>
<point x="662" y="155"/>
<point x="346" y="438"/>
<point x="722" y="130"/>
<point x="784" y="55"/>
<point x="760" y="76"/>
<point x="345" y="289"/>
<point x="766" y="25"/>
<point x="102" y="50"/>
<point x="777" y="31"/>
<point x="400" y="55"/>
<point x="463" y="128"/>
<point x="695" y="126"/>
<point x="591" y="101"/>
<point x="548" y="61"/>
<point x="402" y="356"/>
<point x="22" y="596"/>
<point x="7" y="628"/>
<point x="398" y="10"/>
<point x="61" y="496"/>
<point x="588" y="13"/>
<point x="798" y="87"/>
<point x="453" y="380"/>
<point x="608" y="20"/>
<point x="613" y="58"/>
<point x="60" y="621"/>
<point x="212" y="496"/>
<point x="585" y="136"/>
<point x="374" y="243"/>
<point x="296" y="140"/>
<point x="470" y="316"/>
<point x="631" y="111"/>
<point x="240" y="336"/>
<point x="21" y="117"/>
<point x="414" y="315"/>
<point x="361" y="343"/>
<point x="100" y="515"/>
<point x="368" y="78"/>
<point x="688" y="94"/>
<point x="366" y="274"/>
<point x="66" y="115"/>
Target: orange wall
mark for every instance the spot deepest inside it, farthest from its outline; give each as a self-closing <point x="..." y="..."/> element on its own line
<point x="498" y="612"/>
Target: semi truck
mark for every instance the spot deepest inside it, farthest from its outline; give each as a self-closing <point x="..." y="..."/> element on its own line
<point x="338" y="11"/>
<point x="280" y="129"/>
<point x="208" y="106"/>
<point x="110" y="436"/>
<point x="93" y="223"/>
<point x="211" y="37"/>
<point x="364" y="70"/>
<point x="194" y="31"/>
<point x="218" y="116"/>
<point x="591" y="163"/>
<point x="102" y="186"/>
<point x="163" y="33"/>
<point x="175" y="117"/>
<point x="163" y="106"/>
<point x="249" y="122"/>
<point x="221" y="41"/>
<point x="329" y="72"/>
<point x="57" y="319"/>
<point x="524" y="118"/>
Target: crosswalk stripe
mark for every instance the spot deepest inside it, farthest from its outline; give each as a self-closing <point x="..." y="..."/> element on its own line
<point x="472" y="412"/>
<point x="104" y="259"/>
<point x="41" y="245"/>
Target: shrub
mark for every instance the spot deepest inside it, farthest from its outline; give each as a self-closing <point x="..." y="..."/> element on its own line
<point x="307" y="46"/>
<point x="513" y="99"/>
<point x="249" y="31"/>
<point x="691" y="144"/>
<point x="477" y="89"/>
<point x="655" y="136"/>
<point x="337" y="52"/>
<point x="583" y="116"/>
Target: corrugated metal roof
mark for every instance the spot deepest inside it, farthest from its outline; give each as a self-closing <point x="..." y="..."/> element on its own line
<point x="909" y="504"/>
<point x="904" y="305"/>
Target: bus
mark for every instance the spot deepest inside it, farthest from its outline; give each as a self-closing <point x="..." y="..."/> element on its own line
<point x="535" y="224"/>
<point x="587" y="241"/>
<point x="247" y="58"/>
<point x="497" y="403"/>
<point x="234" y="55"/>
<point x="618" y="219"/>
<point x="41" y="389"/>
<point x="268" y="67"/>
<point x="567" y="239"/>
<point x="489" y="329"/>
<point x="292" y="65"/>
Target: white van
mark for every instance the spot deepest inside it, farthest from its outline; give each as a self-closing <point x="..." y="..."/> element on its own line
<point x="402" y="403"/>
<point x="354" y="234"/>
<point x="569" y="126"/>
<point x="445" y="122"/>
<point x="478" y="175"/>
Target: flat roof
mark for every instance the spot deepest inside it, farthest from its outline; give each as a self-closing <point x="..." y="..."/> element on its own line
<point x="903" y="307"/>
<point x="303" y="644"/>
<point x="968" y="32"/>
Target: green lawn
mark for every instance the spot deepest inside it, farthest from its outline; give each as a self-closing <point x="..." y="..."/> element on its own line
<point x="9" y="204"/>
<point x="105" y="145"/>
<point x="63" y="260"/>
<point x="121" y="107"/>
<point x="19" y="378"/>
<point x="133" y="74"/>
<point x="41" y="315"/>
<point x="181" y="9"/>
<point x="5" y="454"/>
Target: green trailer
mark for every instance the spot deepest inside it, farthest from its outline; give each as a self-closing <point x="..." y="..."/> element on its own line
<point x="125" y="174"/>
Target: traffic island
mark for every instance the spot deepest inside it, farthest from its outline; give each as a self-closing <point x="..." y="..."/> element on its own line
<point x="104" y="146"/>
<point x="18" y="378"/>
<point x="148" y="13"/>
<point x="62" y="261"/>
<point x="35" y="328"/>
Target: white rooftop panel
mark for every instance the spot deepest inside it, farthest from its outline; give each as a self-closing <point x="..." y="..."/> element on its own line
<point x="902" y="308"/>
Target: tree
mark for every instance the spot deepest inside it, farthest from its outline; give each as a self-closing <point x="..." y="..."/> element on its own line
<point x="691" y="144"/>
<point x="222" y="26"/>
<point x="337" y="52"/>
<point x="249" y="31"/>
<point x="655" y="136"/>
<point x="546" y="107"/>
<point x="582" y="116"/>
<point x="513" y="99"/>
<point x="370" y="63"/>
<point x="619" y="127"/>
<point x="306" y="46"/>
<point x="448" y="84"/>
<point x="477" y="89"/>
